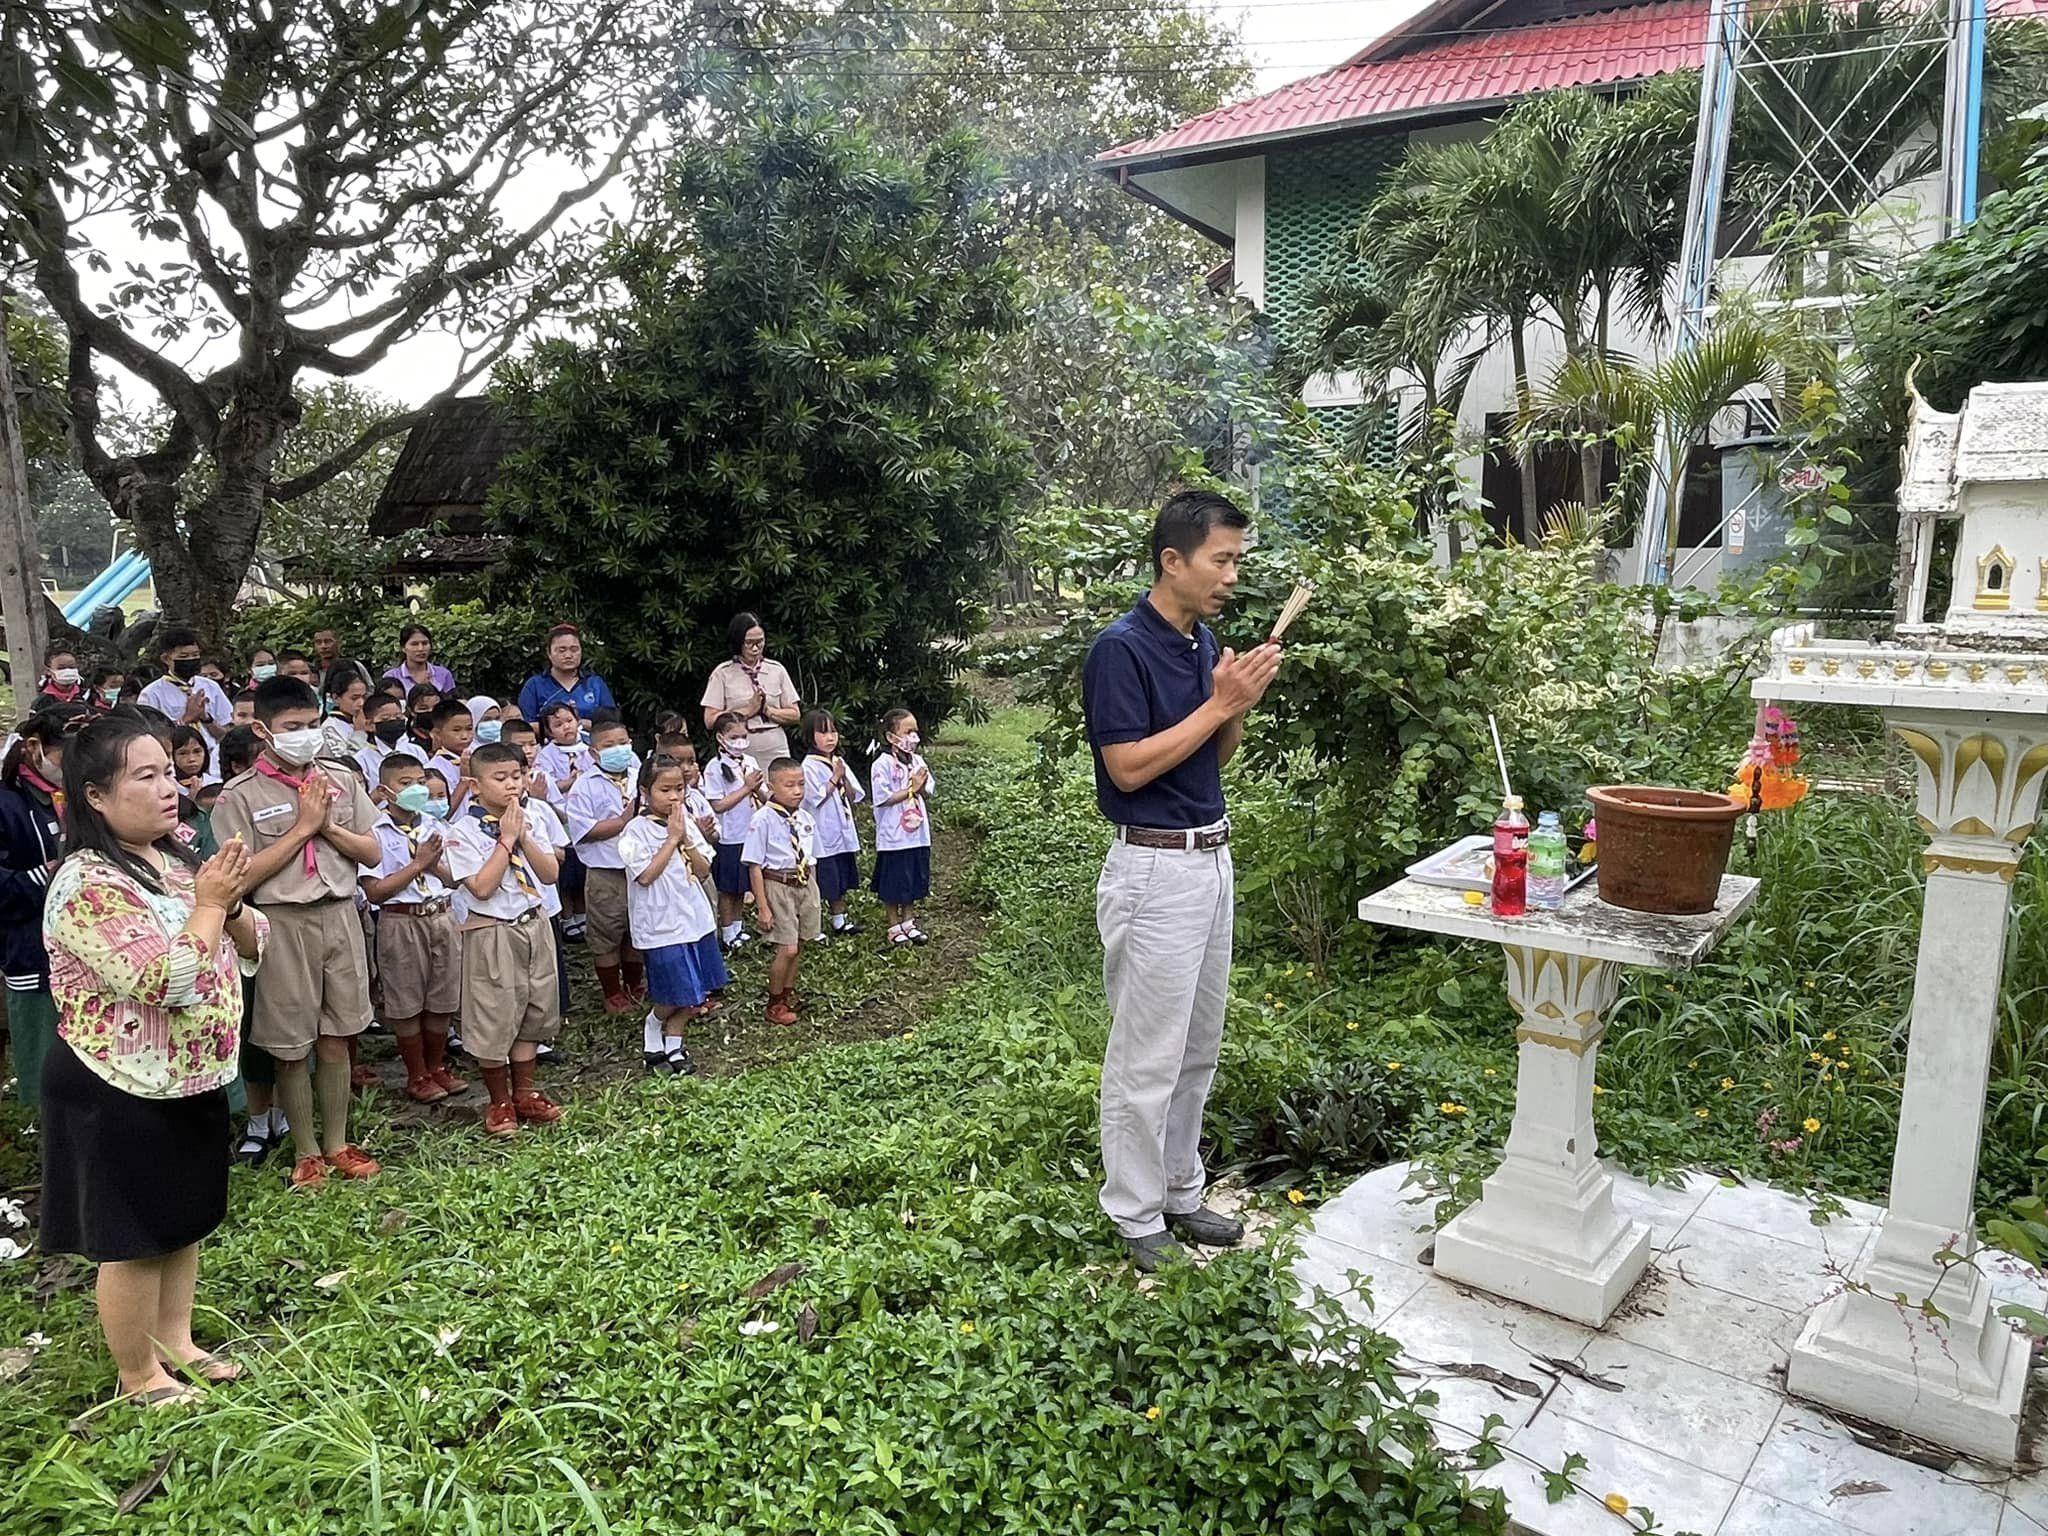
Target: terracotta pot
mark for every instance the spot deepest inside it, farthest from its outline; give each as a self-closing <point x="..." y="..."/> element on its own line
<point x="1663" y="850"/>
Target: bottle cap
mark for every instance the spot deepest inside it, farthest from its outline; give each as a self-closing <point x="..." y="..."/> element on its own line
<point x="1511" y="803"/>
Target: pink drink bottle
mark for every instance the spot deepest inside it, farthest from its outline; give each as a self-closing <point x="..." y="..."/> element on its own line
<point x="1511" y="860"/>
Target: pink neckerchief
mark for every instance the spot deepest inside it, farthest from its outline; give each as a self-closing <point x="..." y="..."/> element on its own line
<point x="270" y="770"/>
<point x="53" y="791"/>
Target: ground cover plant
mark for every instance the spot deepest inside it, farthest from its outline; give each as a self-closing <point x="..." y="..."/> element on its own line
<point x="864" y="1290"/>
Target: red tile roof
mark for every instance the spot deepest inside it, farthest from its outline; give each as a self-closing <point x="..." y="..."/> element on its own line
<point x="1482" y="67"/>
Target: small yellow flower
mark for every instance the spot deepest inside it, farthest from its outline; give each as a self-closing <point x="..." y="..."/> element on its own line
<point x="617" y="1249"/>
<point x="1829" y="1035"/>
<point x="1617" y="1503"/>
<point x="1840" y="1089"/>
<point x="1295" y="1197"/>
<point x="1810" y="1125"/>
<point x="1693" y="1064"/>
<point x="967" y="1327"/>
<point x="1815" y="1056"/>
<point x="1487" y="1072"/>
<point x="1767" y="1082"/>
<point x="1451" y="1107"/>
<point x="1598" y="1089"/>
<point x="1727" y="1083"/>
<point x="1351" y="1024"/>
<point x="1152" y="1412"/>
<point x="1699" y="1114"/>
<point x="1279" y="1007"/>
<point x="1393" y="1066"/>
<point x="909" y="1034"/>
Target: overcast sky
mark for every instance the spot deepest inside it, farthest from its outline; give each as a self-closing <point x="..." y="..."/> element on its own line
<point x="1286" y="39"/>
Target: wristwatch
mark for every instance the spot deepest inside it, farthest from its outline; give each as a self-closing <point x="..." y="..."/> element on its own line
<point x="235" y="911"/>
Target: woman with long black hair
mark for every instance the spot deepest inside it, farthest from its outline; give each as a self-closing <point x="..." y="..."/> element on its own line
<point x="31" y="847"/>
<point x="146" y="944"/>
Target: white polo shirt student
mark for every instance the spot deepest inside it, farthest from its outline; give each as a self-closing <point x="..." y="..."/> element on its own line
<point x="1165" y="711"/>
<point x="174" y="692"/>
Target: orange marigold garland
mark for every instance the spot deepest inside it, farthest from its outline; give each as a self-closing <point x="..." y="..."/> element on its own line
<point x="1769" y="778"/>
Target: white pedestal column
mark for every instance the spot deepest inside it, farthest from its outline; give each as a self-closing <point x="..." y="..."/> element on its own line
<point x="1546" y="1231"/>
<point x="1913" y="1341"/>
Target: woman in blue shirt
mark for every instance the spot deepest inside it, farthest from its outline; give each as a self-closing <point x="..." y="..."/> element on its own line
<point x="564" y="679"/>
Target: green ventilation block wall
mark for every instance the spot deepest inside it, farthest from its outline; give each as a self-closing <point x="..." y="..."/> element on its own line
<point x="1314" y="195"/>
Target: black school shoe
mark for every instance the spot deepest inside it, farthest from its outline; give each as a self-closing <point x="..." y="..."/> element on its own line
<point x="251" y="1148"/>
<point x="1206" y="1228"/>
<point x="1155" y="1251"/>
<point x="681" y="1063"/>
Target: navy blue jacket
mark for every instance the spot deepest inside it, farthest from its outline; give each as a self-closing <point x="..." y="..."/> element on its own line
<point x="30" y="841"/>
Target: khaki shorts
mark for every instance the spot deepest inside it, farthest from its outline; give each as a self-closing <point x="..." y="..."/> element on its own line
<point x="314" y="979"/>
<point x="799" y="914"/>
<point x="508" y="985"/>
<point x="419" y="960"/>
<point x="604" y="911"/>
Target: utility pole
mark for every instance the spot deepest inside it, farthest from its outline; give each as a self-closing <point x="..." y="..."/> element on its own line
<point x="21" y="586"/>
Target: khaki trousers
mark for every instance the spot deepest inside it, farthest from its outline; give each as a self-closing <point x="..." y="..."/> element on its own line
<point x="1165" y="916"/>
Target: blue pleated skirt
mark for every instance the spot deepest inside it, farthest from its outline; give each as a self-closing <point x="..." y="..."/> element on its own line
<point x="903" y="875"/>
<point x="683" y="975"/>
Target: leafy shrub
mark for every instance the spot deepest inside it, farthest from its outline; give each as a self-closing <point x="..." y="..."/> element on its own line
<point x="490" y="647"/>
<point x="1349" y="1122"/>
<point x="783" y="417"/>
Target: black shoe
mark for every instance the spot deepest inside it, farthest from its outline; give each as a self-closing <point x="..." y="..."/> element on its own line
<point x="849" y="930"/>
<point x="919" y="937"/>
<point x="543" y="1052"/>
<point x="1205" y="1227"/>
<point x="1155" y="1251"/>
<point x="681" y="1063"/>
<point x="655" y="1061"/>
<point x="252" y="1148"/>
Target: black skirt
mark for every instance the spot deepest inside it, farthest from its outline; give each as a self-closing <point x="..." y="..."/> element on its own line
<point x="126" y="1177"/>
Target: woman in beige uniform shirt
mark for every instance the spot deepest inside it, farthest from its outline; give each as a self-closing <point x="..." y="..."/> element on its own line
<point x="755" y="688"/>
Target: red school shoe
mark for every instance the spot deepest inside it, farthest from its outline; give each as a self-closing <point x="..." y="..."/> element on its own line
<point x="537" y="1107"/>
<point x="353" y="1162"/>
<point x="309" y="1173"/>
<point x="445" y="1080"/>
<point x="363" y="1076"/>
<point x="779" y="1011"/>
<point x="501" y="1120"/>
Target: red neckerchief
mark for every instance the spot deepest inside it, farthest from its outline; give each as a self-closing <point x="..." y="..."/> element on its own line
<point x="270" y="770"/>
<point x="56" y="795"/>
<point x="61" y="695"/>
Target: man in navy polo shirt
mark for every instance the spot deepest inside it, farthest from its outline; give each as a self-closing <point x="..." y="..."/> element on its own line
<point x="1165" y="712"/>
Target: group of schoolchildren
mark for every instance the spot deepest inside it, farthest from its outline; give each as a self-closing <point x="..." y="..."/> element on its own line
<point x="433" y="852"/>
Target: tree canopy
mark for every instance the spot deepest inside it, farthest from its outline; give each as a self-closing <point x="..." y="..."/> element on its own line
<point x="783" y="416"/>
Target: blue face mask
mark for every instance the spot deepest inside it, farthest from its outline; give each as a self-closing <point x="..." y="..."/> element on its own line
<point x="437" y="810"/>
<point x="413" y="798"/>
<point x="263" y="672"/>
<point x="488" y="731"/>
<point x="616" y="758"/>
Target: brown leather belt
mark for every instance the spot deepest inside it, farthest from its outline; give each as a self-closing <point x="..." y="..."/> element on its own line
<point x="432" y="908"/>
<point x="1182" y="842"/>
<point x="784" y="876"/>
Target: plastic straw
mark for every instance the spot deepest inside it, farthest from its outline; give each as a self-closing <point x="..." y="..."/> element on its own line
<point x="1500" y="757"/>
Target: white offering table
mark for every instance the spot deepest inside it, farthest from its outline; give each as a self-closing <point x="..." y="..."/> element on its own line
<point x="1546" y="1231"/>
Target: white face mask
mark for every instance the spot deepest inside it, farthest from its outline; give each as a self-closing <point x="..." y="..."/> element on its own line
<point x="65" y="677"/>
<point x="735" y="746"/>
<point x="298" y="747"/>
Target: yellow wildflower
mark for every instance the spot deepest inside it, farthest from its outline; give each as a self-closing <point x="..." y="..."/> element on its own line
<point x="1829" y="1035"/>
<point x="1598" y="1089"/>
<point x="1351" y="1023"/>
<point x="1487" y="1071"/>
<point x="1699" y="1114"/>
<point x="1451" y="1107"/>
<point x="1693" y="1064"/>
<point x="967" y="1327"/>
<point x="1617" y="1503"/>
<point x="1393" y="1066"/>
<point x="1727" y="1083"/>
<point x="1295" y="1197"/>
<point x="1810" y="1125"/>
<point x="1767" y="1082"/>
<point x="1815" y="1056"/>
<point x="1152" y="1412"/>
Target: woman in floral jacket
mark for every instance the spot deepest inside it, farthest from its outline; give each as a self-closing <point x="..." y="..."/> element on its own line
<point x="146" y="948"/>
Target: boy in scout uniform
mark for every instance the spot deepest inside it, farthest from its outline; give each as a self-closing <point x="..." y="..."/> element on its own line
<point x="781" y="860"/>
<point x="307" y="826"/>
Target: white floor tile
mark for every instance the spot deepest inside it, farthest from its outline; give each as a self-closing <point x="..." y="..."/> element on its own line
<point x="2029" y="1495"/>
<point x="1379" y="1214"/>
<point x="1783" y="1213"/>
<point x="1382" y="1286"/>
<point x="1708" y="1327"/>
<point x="1682" y="1497"/>
<point x="1810" y="1461"/>
<point x="1773" y="1270"/>
<point x="2018" y="1523"/>
<point x="1443" y="1326"/>
<point x="1758" y="1514"/>
<point x="1681" y="1409"/>
<point x="1663" y="1208"/>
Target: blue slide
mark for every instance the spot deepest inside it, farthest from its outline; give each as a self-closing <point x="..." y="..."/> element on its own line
<point x="108" y="589"/>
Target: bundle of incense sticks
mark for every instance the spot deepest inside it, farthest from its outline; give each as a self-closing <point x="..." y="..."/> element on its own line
<point x="1291" y="609"/>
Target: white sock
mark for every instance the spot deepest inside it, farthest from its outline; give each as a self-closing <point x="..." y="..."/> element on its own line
<point x="838" y="920"/>
<point x="650" y="1034"/>
<point x="675" y="1046"/>
<point x="278" y="1125"/>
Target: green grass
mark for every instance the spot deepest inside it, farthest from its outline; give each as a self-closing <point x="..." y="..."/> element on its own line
<point x="601" y="1328"/>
